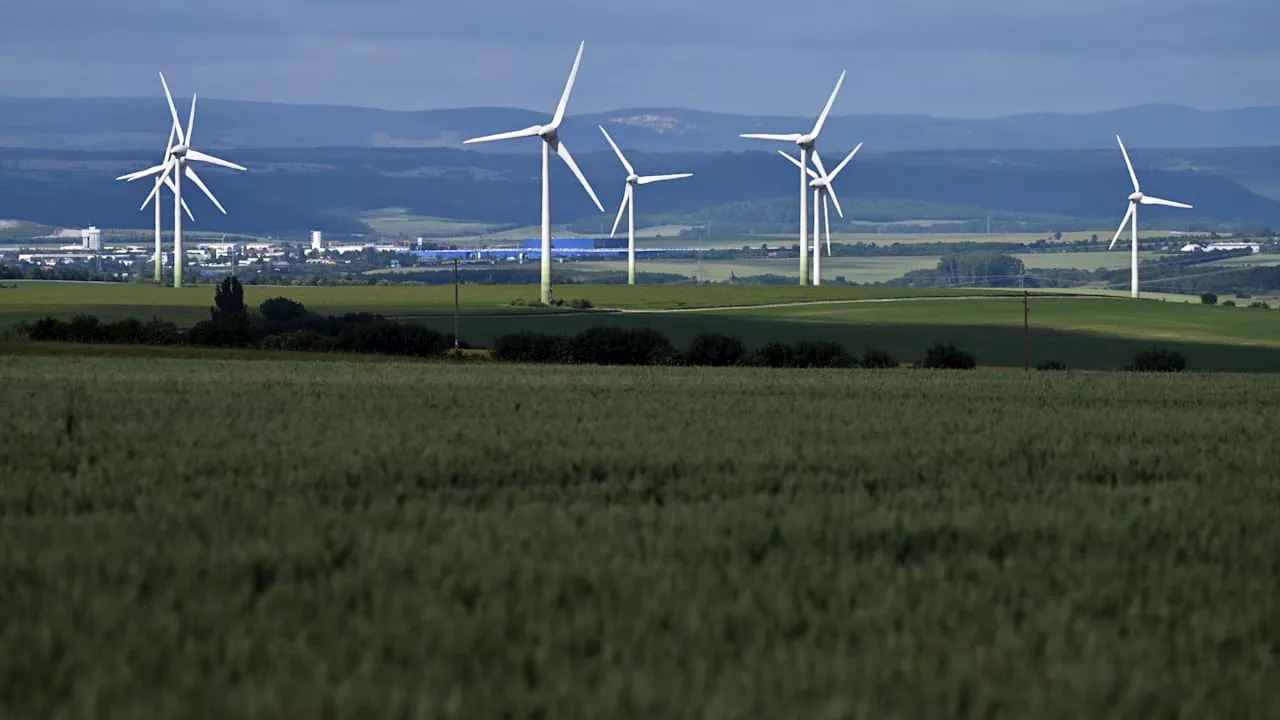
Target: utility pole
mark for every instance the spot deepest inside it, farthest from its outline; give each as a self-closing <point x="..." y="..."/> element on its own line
<point x="455" y="304"/>
<point x="1026" y="326"/>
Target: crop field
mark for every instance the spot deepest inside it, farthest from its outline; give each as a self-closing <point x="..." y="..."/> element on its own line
<point x="890" y="238"/>
<point x="398" y="221"/>
<point x="212" y="539"/>
<point x="853" y="269"/>
<point x="33" y="300"/>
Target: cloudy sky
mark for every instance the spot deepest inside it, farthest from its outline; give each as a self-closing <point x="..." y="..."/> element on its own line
<point x="969" y="59"/>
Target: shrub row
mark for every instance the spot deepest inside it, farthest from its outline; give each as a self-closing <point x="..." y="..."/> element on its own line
<point x="618" y="346"/>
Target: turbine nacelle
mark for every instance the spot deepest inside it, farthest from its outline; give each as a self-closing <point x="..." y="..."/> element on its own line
<point x="632" y="179"/>
<point x="179" y="150"/>
<point x="1136" y="197"/>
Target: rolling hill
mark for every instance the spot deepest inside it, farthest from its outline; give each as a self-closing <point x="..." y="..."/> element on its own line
<point x="139" y="123"/>
<point x="290" y="191"/>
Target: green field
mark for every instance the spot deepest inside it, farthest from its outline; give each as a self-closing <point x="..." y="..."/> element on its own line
<point x="214" y="539"/>
<point x="890" y="238"/>
<point x="399" y="221"/>
<point x="1087" y="333"/>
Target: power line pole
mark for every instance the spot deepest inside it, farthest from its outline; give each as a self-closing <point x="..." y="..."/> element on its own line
<point x="1026" y="326"/>
<point x="455" y="304"/>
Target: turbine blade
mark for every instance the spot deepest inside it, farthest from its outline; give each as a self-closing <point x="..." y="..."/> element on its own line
<point x="1125" y="221"/>
<point x="612" y="144"/>
<point x="168" y="180"/>
<point x="626" y="196"/>
<point x="659" y="178"/>
<point x="1148" y="200"/>
<point x="527" y="132"/>
<point x="846" y="160"/>
<point x="154" y="192"/>
<point x="563" y="152"/>
<point x="817" y="160"/>
<point x="154" y="169"/>
<point x="200" y="184"/>
<point x="822" y="119"/>
<point x="1132" y="175"/>
<point x="796" y="162"/>
<point x="568" y="88"/>
<point x="826" y="214"/>
<point x="831" y="192"/>
<point x="173" y="111"/>
<point x="191" y="119"/>
<point x="169" y="145"/>
<point x="792" y="137"/>
<point x="201" y="157"/>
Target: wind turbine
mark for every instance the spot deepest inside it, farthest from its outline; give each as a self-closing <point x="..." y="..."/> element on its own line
<point x="1135" y="199"/>
<point x="168" y="180"/>
<point x="629" y="202"/>
<point x="806" y="142"/>
<point x="176" y="161"/>
<point x="550" y="135"/>
<point x="822" y="189"/>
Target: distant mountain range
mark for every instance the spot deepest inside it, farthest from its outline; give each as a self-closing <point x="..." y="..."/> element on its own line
<point x="288" y="191"/>
<point x="140" y="124"/>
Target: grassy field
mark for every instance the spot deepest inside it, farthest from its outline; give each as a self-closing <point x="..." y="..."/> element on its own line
<point x="33" y="300"/>
<point x="212" y="539"/>
<point x="1083" y="332"/>
<point x="853" y="269"/>
<point x="875" y="238"/>
<point x="398" y="221"/>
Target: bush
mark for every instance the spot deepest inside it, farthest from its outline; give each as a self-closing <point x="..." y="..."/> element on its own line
<point x="878" y="360"/>
<point x="821" y="354"/>
<point x="160" y="332"/>
<point x="1209" y="298"/>
<point x="123" y="332"/>
<point x="610" y="345"/>
<point x="773" y="354"/>
<point x="1229" y="303"/>
<point x="85" y="329"/>
<point x="948" y="357"/>
<point x="388" y="337"/>
<point x="532" y="347"/>
<point x="299" y="341"/>
<point x="282" y="315"/>
<point x="581" y="304"/>
<point x="1158" y="360"/>
<point x="48" y="328"/>
<point x="1051" y="365"/>
<point x="715" y="349"/>
<point x="1260" y="305"/>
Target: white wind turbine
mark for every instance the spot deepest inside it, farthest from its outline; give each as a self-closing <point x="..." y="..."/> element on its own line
<point x="168" y="180"/>
<point x="806" y="142"/>
<point x="822" y="190"/>
<point x="178" y="157"/>
<point x="629" y="203"/>
<point x="550" y="135"/>
<point x="1135" y="199"/>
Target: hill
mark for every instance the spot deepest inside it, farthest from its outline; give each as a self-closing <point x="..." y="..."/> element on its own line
<point x="290" y="191"/>
<point x="140" y="123"/>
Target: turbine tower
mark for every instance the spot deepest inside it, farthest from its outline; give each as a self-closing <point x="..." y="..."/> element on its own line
<point x="822" y="190"/>
<point x="629" y="203"/>
<point x="807" y="143"/>
<point x="1135" y="199"/>
<point x="550" y="135"/>
<point x="176" y="161"/>
<point x="168" y="180"/>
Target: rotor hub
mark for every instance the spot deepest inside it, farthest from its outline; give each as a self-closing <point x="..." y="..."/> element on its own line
<point x="548" y="132"/>
<point x="633" y="179"/>
<point x="179" y="151"/>
<point x="1136" y="197"/>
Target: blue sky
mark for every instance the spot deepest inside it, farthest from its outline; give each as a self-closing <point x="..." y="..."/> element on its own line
<point x="969" y="59"/>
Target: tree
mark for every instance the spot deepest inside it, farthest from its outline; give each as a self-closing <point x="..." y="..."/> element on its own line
<point x="228" y="301"/>
<point x="948" y="357"/>
<point x="1209" y="298"/>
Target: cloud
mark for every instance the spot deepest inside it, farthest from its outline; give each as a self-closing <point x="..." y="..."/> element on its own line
<point x="983" y="57"/>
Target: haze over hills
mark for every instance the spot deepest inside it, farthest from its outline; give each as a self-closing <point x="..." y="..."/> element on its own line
<point x="289" y="191"/>
<point x="141" y="123"/>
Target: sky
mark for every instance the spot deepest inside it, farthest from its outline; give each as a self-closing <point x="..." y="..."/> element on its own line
<point x="979" y="58"/>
